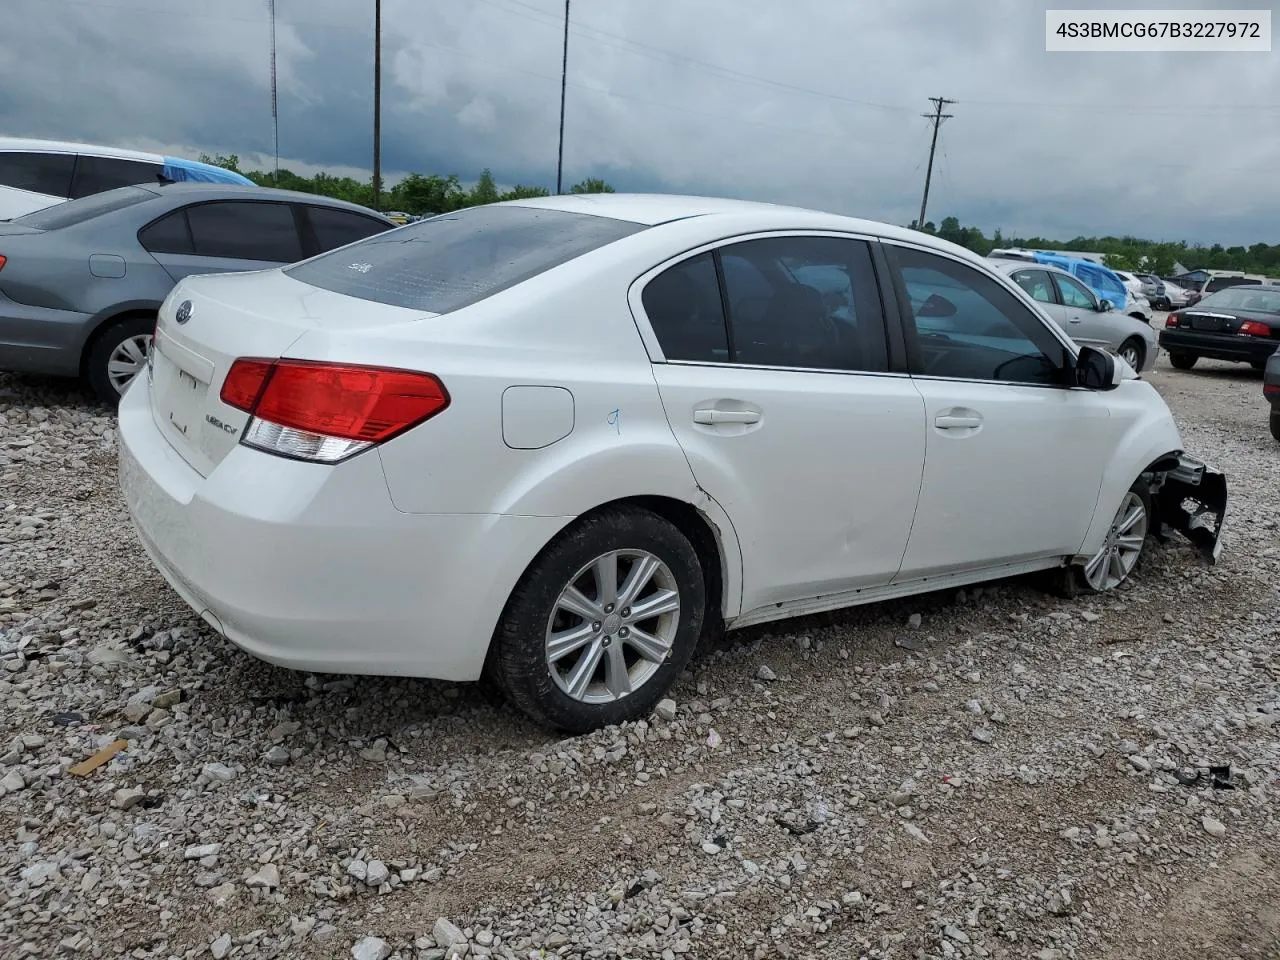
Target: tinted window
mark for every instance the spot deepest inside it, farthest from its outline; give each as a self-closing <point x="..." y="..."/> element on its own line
<point x="78" y="211"/>
<point x="337" y="228"/>
<point x="245" y="230"/>
<point x="969" y="327"/>
<point x="457" y="259"/>
<point x="1222" y="283"/>
<point x="804" y="302"/>
<point x="683" y="306"/>
<point x="1036" y="283"/>
<point x="1240" y="297"/>
<point x="1073" y="293"/>
<point x="40" y="172"/>
<point x="169" y="234"/>
<point x="96" y="174"/>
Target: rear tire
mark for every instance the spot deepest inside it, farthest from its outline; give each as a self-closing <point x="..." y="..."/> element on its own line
<point x="118" y="354"/>
<point x="1258" y="365"/>
<point x="1182" y="361"/>
<point x="610" y="665"/>
<point x="1275" y="425"/>
<point x="1134" y="353"/>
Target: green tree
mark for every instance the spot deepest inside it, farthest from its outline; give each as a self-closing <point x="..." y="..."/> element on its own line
<point x="520" y="192"/>
<point x="591" y="185"/>
<point x="485" y="190"/>
<point x="227" y="162"/>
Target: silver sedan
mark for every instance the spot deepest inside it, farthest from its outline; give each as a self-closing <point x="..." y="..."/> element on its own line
<point x="1085" y="318"/>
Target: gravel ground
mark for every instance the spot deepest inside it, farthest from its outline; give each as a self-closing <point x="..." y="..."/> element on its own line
<point x="986" y="773"/>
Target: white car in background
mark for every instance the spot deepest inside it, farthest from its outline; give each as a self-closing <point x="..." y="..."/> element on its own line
<point x="556" y="440"/>
<point x="1085" y="318"/>
<point x="36" y="174"/>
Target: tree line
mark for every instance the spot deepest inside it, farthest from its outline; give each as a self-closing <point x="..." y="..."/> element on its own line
<point x="416" y="193"/>
<point x="1123" y="253"/>
<point x="429" y="194"/>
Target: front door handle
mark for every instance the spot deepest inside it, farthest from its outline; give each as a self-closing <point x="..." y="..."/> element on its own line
<point x="726" y="416"/>
<point x="956" y="423"/>
<point x="1075" y="318"/>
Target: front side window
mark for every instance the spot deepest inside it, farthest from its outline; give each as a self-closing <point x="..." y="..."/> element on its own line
<point x="98" y="174"/>
<point x="1073" y="292"/>
<point x="245" y="230"/>
<point x="457" y="259"/>
<point x="1036" y="283"/>
<point x="809" y="302"/>
<point x="48" y="173"/>
<point x="969" y="327"/>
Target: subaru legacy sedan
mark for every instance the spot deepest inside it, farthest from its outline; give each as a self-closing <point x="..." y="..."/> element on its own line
<point x="555" y="441"/>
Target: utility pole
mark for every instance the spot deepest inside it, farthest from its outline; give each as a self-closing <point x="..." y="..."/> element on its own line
<point x="937" y="117"/>
<point x="275" y="108"/>
<point x="564" y="80"/>
<point x="377" y="104"/>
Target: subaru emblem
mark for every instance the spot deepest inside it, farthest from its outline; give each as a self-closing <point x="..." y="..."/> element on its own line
<point x="184" y="312"/>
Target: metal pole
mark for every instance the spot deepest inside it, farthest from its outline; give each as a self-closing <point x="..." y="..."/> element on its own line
<point x="377" y="104"/>
<point x="937" y="117"/>
<point x="275" y="103"/>
<point x="564" y="78"/>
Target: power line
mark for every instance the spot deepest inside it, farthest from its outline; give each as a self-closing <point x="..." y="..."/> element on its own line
<point x="937" y="117"/>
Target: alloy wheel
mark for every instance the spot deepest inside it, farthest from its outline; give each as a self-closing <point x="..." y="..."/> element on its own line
<point x="1131" y="354"/>
<point x="1113" y="563"/>
<point x="613" y="626"/>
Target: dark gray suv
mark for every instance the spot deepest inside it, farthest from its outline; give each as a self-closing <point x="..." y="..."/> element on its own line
<point x="80" y="282"/>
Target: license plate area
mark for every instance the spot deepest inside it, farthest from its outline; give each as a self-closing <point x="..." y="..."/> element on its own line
<point x="1207" y="324"/>
<point x="179" y="400"/>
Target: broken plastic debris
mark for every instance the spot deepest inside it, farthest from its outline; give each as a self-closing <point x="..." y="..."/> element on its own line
<point x="86" y="767"/>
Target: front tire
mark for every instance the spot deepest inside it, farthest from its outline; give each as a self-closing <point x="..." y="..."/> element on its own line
<point x="118" y="354"/>
<point x="602" y="623"/>
<point x="1182" y="361"/>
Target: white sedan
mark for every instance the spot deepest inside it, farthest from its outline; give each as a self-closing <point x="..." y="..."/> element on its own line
<point x="553" y="441"/>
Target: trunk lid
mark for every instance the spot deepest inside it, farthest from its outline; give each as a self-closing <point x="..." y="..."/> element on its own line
<point x="224" y="317"/>
<point x="1223" y="321"/>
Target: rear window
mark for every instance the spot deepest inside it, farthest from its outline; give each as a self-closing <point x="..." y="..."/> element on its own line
<point x="457" y="259"/>
<point x="78" y="211"/>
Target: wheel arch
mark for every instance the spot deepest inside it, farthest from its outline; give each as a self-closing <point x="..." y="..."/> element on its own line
<point x="1159" y="455"/>
<point x="104" y="321"/>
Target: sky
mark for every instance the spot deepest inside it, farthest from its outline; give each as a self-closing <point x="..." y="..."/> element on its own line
<point x="810" y="102"/>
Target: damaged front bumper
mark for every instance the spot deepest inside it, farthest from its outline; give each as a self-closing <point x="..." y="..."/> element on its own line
<point x="1192" y="499"/>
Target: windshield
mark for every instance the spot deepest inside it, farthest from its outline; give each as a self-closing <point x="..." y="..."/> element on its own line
<point x="86" y="208"/>
<point x="1244" y="298"/>
<point x="457" y="259"/>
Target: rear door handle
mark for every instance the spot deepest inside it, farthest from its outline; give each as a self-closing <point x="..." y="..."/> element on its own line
<point x="956" y="423"/>
<point x="726" y="416"/>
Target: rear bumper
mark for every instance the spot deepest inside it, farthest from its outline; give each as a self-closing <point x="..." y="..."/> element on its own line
<point x="41" y="340"/>
<point x="311" y="567"/>
<point x="1217" y="346"/>
<point x="1192" y="500"/>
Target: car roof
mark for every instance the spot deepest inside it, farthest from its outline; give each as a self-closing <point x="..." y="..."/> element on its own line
<point x="654" y="209"/>
<point x="1009" y="266"/>
<point x="190" y="190"/>
<point x="67" y="146"/>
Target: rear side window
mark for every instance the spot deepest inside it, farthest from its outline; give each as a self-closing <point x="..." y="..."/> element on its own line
<point x="78" y="211"/>
<point x="684" y="308"/>
<point x="39" y="172"/>
<point x="96" y="174"/>
<point x="169" y="234"/>
<point x="245" y="230"/>
<point x="336" y="228"/>
<point x="457" y="259"/>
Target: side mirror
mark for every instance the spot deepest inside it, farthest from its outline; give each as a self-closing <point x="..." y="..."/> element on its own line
<point x="1095" y="369"/>
<point x="1104" y="306"/>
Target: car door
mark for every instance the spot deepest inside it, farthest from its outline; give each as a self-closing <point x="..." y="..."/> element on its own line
<point x="1086" y="323"/>
<point x="221" y="236"/>
<point x="772" y="365"/>
<point x="1014" y="458"/>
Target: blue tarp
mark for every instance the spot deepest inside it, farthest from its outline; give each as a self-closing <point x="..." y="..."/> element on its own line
<point x="177" y="169"/>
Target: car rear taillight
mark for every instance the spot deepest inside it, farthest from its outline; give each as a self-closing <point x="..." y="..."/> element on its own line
<point x="326" y="412"/>
<point x="3" y="261"/>
<point x="1252" y="328"/>
<point x="1271" y="390"/>
<point x="1171" y="320"/>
